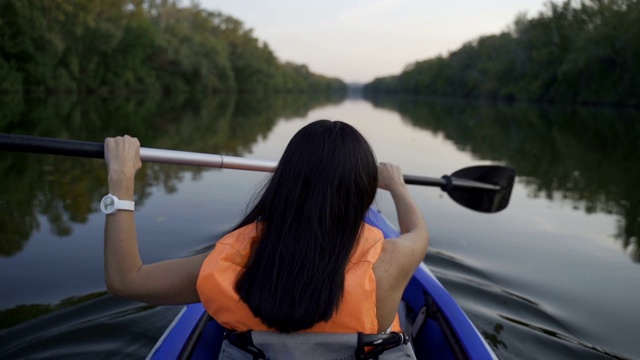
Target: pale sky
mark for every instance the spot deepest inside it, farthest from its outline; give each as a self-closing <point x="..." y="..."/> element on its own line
<point x="359" y="40"/>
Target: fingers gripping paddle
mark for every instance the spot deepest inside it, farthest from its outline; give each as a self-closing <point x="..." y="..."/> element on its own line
<point x="481" y="188"/>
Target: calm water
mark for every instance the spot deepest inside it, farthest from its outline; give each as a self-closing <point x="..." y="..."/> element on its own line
<point x="554" y="276"/>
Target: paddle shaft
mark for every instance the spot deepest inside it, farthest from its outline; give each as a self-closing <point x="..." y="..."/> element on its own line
<point x="41" y="145"/>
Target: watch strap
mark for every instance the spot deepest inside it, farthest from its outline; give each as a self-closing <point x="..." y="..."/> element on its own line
<point x="126" y="205"/>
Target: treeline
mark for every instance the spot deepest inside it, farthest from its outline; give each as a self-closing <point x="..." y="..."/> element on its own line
<point x="579" y="52"/>
<point x="88" y="46"/>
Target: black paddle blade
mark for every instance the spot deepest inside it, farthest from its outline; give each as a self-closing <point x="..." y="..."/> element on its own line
<point x="483" y="200"/>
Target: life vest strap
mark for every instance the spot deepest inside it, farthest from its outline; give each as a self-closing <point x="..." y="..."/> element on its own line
<point x="244" y="341"/>
<point x="371" y="346"/>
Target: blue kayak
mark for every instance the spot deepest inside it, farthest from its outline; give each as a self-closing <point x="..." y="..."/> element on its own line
<point x="440" y="329"/>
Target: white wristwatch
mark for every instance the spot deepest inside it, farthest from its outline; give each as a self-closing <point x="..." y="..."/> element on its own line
<point x="110" y="204"/>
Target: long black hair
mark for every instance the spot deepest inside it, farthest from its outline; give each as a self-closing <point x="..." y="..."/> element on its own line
<point x="309" y="216"/>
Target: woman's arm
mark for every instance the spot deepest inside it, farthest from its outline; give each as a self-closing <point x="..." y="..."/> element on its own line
<point x="413" y="229"/>
<point x="166" y="282"/>
<point x="400" y="256"/>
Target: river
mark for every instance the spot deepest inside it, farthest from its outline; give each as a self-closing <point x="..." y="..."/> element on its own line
<point x="556" y="275"/>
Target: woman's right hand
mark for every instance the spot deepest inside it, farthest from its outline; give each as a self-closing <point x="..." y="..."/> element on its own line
<point x="390" y="177"/>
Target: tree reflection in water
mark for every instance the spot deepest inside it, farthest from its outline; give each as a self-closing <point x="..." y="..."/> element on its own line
<point x="66" y="190"/>
<point x="586" y="157"/>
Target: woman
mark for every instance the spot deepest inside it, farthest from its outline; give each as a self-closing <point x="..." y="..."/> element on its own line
<point x="301" y="260"/>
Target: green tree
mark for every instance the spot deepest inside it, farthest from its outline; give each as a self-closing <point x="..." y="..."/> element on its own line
<point x="585" y="52"/>
<point x="138" y="46"/>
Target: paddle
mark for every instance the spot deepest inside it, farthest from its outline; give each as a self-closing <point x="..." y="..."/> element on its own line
<point x="481" y="188"/>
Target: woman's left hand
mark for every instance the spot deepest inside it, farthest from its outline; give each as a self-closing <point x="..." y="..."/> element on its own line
<point x="122" y="156"/>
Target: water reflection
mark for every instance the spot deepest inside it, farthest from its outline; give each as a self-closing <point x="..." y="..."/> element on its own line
<point x="584" y="157"/>
<point x="92" y="326"/>
<point x="25" y="312"/>
<point x="66" y="192"/>
<point x="493" y="337"/>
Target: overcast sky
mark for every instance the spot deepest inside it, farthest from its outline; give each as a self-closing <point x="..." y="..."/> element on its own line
<point x="358" y="40"/>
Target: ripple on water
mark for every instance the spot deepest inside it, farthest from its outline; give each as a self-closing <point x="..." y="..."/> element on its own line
<point x="514" y="325"/>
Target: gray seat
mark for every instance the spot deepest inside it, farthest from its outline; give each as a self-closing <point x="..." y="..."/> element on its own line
<point x="317" y="346"/>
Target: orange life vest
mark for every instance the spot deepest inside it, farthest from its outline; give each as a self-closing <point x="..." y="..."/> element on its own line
<point x="356" y="313"/>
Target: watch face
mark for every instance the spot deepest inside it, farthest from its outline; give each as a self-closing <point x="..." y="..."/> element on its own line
<point x="109" y="204"/>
